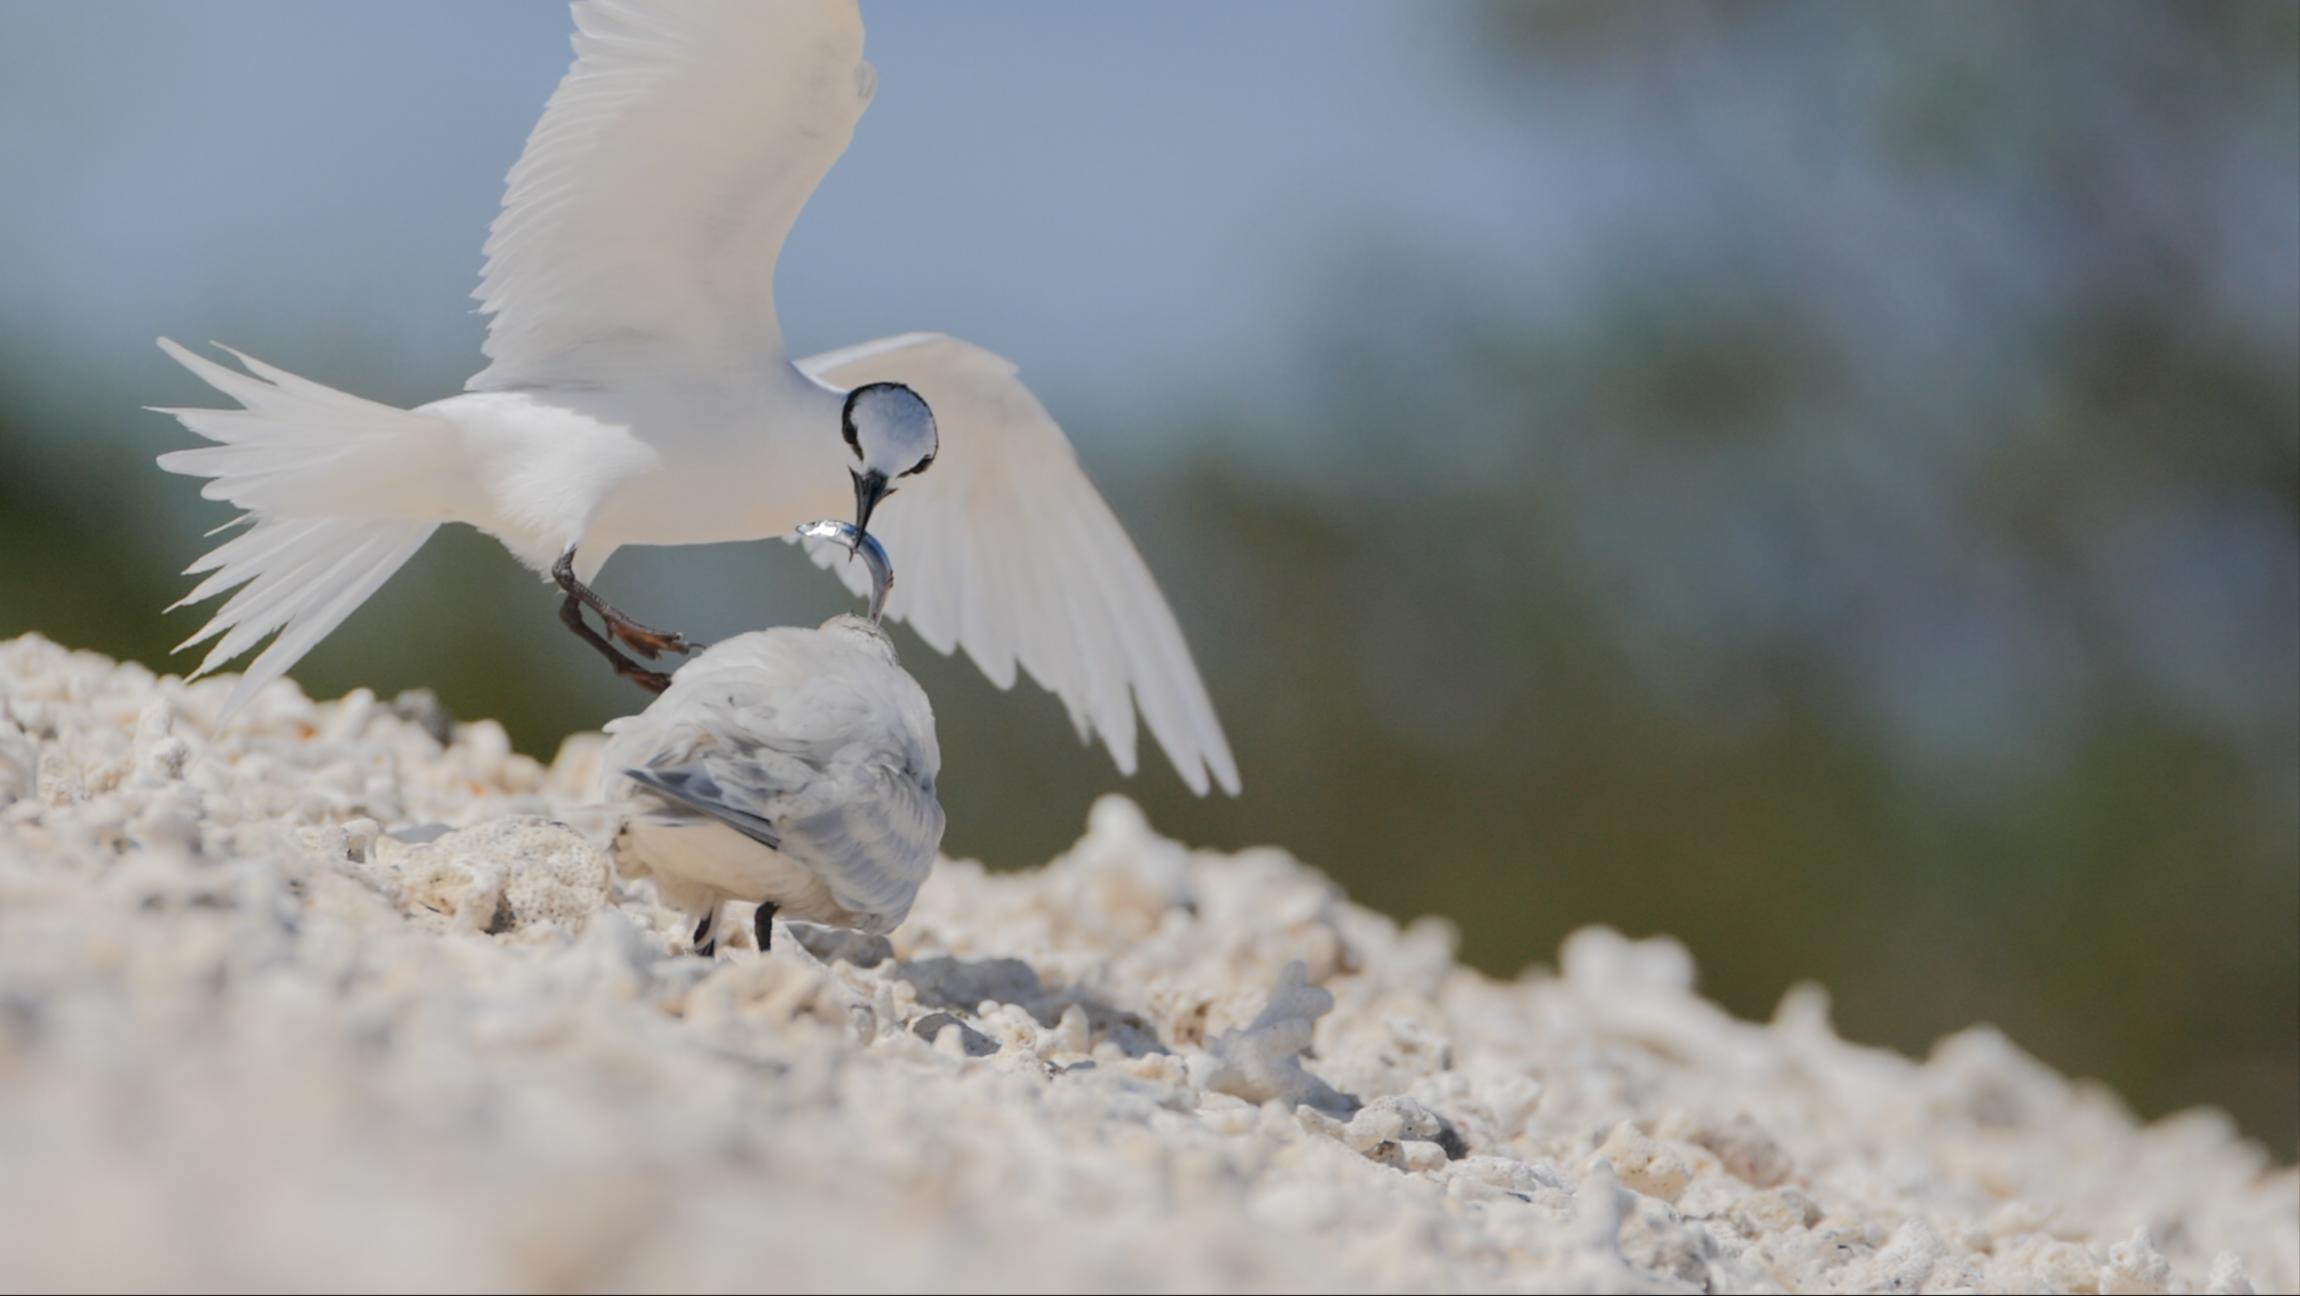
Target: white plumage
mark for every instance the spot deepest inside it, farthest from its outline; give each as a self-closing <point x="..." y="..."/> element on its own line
<point x="788" y="767"/>
<point x="638" y="392"/>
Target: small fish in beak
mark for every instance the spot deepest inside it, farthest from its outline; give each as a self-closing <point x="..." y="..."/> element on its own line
<point x="862" y="544"/>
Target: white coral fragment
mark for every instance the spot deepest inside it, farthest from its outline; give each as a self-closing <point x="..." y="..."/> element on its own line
<point x="1263" y="1061"/>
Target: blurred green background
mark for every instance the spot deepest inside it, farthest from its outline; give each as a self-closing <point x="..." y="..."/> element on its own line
<point x="1819" y="481"/>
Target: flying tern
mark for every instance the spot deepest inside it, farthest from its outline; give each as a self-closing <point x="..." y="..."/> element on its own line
<point x="638" y="392"/>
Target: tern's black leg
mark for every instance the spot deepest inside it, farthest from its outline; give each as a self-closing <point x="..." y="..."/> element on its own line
<point x="648" y="643"/>
<point x="571" y="614"/>
<point x="706" y="943"/>
<point x="763" y="924"/>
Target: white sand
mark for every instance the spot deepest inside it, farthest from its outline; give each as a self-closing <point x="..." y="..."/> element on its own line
<point x="248" y="1037"/>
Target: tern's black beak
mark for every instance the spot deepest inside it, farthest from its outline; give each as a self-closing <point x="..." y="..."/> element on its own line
<point x="870" y="488"/>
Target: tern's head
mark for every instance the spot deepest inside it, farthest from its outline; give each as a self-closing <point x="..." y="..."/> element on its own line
<point x="891" y="434"/>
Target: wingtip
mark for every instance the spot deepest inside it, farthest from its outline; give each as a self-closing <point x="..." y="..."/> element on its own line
<point x="1222" y="777"/>
<point x="1204" y="772"/>
<point x="180" y="353"/>
<point x="1222" y="763"/>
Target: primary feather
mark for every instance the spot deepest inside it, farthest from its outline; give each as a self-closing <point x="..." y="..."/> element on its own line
<point x="641" y="225"/>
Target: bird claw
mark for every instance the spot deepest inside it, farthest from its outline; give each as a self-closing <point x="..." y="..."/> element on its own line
<point x="653" y="643"/>
<point x="652" y="681"/>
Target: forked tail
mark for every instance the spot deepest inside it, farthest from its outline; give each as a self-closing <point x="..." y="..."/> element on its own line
<point x="334" y="496"/>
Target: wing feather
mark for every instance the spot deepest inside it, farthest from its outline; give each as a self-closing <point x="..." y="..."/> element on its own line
<point x="695" y="789"/>
<point x="640" y="227"/>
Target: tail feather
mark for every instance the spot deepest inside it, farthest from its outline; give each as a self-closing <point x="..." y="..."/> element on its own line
<point x="298" y="449"/>
<point x="337" y="565"/>
<point x="273" y="598"/>
<point x="335" y="500"/>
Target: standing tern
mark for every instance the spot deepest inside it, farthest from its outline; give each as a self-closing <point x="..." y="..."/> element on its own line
<point x="638" y="393"/>
<point x="792" y="769"/>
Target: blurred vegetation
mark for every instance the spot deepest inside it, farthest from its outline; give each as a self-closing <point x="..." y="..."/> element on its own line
<point x="1891" y="577"/>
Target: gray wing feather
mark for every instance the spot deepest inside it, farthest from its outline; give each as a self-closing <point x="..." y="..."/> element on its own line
<point x="695" y="789"/>
<point x="874" y="844"/>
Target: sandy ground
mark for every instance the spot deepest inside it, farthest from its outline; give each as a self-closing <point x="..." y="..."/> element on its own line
<point x="327" y="1002"/>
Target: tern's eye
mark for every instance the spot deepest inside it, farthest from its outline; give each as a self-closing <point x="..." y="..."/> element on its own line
<point x="848" y="427"/>
<point x="922" y="466"/>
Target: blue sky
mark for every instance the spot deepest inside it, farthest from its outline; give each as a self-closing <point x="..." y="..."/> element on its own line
<point x="308" y="181"/>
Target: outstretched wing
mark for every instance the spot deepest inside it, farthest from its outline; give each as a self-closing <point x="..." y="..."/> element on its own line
<point x="1006" y="549"/>
<point x="641" y="225"/>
